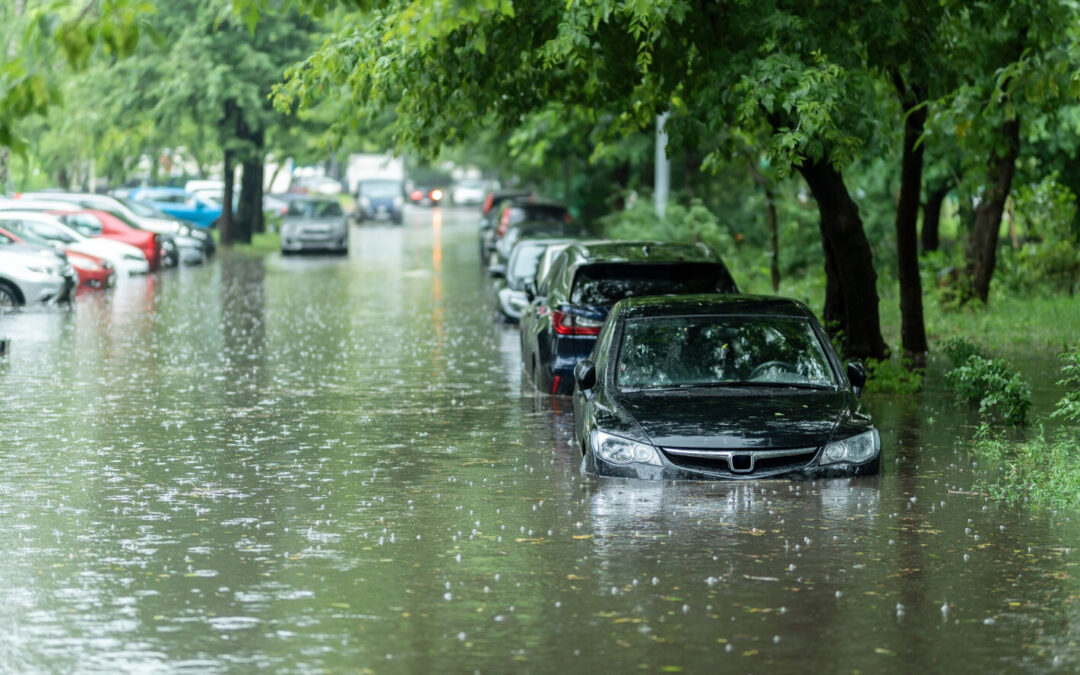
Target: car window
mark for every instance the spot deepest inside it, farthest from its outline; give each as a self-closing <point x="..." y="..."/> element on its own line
<point x="49" y="231"/>
<point x="556" y="269"/>
<point x="607" y="283"/>
<point x="524" y="260"/>
<point x="721" y="350"/>
<point x="83" y="223"/>
<point x="379" y="189"/>
<point x="4" y="239"/>
<point x="314" y="209"/>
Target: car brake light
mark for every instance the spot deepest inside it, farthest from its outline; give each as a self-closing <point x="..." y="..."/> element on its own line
<point x="568" y="324"/>
<point x="567" y="218"/>
<point x="504" y="223"/>
<point x="489" y="202"/>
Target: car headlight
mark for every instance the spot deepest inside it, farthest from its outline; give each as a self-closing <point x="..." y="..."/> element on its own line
<point x="620" y="450"/>
<point x="42" y="269"/>
<point x="856" y="449"/>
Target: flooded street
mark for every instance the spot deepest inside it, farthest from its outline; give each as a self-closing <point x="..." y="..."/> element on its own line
<point x="313" y="463"/>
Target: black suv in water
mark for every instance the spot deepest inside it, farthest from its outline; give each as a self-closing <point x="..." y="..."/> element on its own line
<point x="568" y="306"/>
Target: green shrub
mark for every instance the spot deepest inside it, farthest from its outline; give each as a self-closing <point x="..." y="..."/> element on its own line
<point x="1042" y="470"/>
<point x="958" y="349"/>
<point x="1068" y="408"/>
<point x="892" y="377"/>
<point x="999" y="392"/>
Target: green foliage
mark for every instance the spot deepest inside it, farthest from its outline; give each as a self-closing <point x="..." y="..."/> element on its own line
<point x="1049" y="258"/>
<point x="892" y="376"/>
<point x="1068" y="407"/>
<point x="1044" y="469"/>
<point x="1000" y="393"/>
<point x="680" y="224"/>
<point x="960" y="349"/>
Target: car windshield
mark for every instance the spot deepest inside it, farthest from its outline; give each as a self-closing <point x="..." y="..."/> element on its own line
<point x="525" y="261"/>
<point x="607" y="283"/>
<point x="705" y="351"/>
<point x="311" y="208"/>
<point x="380" y="189"/>
<point x="19" y="229"/>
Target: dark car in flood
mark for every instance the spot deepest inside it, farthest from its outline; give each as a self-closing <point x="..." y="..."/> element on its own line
<point x="720" y="387"/>
<point x="515" y="211"/>
<point x="492" y="203"/>
<point x="380" y="199"/>
<point x="533" y="229"/>
<point x="568" y="306"/>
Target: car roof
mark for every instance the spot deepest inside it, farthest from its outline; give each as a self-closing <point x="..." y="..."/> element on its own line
<point x="539" y="202"/>
<point x="712" y="304"/>
<point x="41" y="216"/>
<point x="638" y="252"/>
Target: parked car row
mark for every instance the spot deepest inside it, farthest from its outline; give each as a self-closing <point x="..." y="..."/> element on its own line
<point x="54" y="243"/>
<point x="674" y="374"/>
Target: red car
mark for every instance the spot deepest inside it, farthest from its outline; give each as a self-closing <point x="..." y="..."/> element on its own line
<point x="94" y="223"/>
<point x="93" y="271"/>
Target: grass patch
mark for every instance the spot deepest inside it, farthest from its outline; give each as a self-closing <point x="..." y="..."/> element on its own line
<point x="261" y="243"/>
<point x="1000" y="392"/>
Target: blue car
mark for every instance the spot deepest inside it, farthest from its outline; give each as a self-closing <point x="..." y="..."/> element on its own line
<point x="179" y="203"/>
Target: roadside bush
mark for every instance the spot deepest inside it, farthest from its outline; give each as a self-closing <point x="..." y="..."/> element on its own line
<point x="1068" y="408"/>
<point x="892" y="377"/>
<point x="1042" y="470"/>
<point x="1000" y="393"/>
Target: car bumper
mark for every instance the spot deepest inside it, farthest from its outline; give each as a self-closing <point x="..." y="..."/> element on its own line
<point x="46" y="289"/>
<point x="295" y="243"/>
<point x="599" y="467"/>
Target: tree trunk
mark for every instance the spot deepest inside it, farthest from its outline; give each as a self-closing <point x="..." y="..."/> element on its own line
<point x="772" y="221"/>
<point x="931" y="241"/>
<point x="851" y="299"/>
<point x="912" y="326"/>
<point x="982" y="244"/>
<point x="225" y="224"/>
<point x="249" y="211"/>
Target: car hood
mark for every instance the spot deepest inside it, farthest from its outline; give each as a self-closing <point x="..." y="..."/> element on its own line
<point x="32" y="252"/>
<point x="744" y="419"/>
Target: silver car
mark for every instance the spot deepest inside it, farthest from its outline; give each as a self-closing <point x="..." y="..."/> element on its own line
<point x="314" y="224"/>
<point x="31" y="274"/>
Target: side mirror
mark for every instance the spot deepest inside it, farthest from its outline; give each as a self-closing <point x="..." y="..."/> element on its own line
<point x="585" y="374"/>
<point x="497" y="271"/>
<point x="530" y="290"/>
<point x="856" y="372"/>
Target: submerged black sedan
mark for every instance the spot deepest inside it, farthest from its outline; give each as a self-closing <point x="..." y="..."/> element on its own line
<point x="720" y="386"/>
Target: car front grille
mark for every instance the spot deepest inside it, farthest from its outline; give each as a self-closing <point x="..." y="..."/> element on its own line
<point x="735" y="463"/>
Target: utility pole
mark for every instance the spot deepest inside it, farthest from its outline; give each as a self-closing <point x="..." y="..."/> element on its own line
<point x="662" y="180"/>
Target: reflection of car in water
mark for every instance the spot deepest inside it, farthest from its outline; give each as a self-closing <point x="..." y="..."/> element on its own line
<point x="314" y="224"/>
<point x="568" y="305"/>
<point x="380" y="199"/>
<point x="719" y="386"/>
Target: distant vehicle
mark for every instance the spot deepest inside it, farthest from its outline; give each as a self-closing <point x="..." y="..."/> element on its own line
<point x="720" y="387"/>
<point x="567" y="308"/>
<point x="205" y="185"/>
<point x="30" y="274"/>
<point x="490" y="210"/>
<point x="314" y="223"/>
<point x="380" y="199"/>
<point x="514" y="211"/>
<point x="533" y="229"/>
<point x="520" y="270"/>
<point x="373" y="166"/>
<point x="186" y="206"/>
<point x="427" y="195"/>
<point x="48" y="229"/>
<point x="316" y="185"/>
<point x="468" y="192"/>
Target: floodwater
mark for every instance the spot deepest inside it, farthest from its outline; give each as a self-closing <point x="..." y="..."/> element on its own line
<point x="308" y="464"/>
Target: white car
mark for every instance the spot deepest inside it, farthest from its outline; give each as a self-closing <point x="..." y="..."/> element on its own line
<point x="123" y="257"/>
<point x="469" y="192"/>
<point x="31" y="274"/>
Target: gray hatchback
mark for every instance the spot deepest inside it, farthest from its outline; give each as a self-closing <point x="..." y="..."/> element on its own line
<point x="314" y="224"/>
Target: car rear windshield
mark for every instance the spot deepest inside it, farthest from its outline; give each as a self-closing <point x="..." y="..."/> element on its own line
<point x="551" y="213"/>
<point x="314" y="209"/>
<point x="666" y="352"/>
<point x="380" y="189"/>
<point x="607" y="283"/>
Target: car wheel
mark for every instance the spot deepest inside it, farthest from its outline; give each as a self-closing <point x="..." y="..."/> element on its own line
<point x="9" y="296"/>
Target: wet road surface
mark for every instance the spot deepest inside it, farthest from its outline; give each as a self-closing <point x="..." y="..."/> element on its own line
<point x="329" y="464"/>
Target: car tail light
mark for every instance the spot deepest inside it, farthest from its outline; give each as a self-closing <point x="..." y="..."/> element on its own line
<point x="489" y="202"/>
<point x="416" y="195"/>
<point x="567" y="218"/>
<point x="568" y="324"/>
<point x="504" y="223"/>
